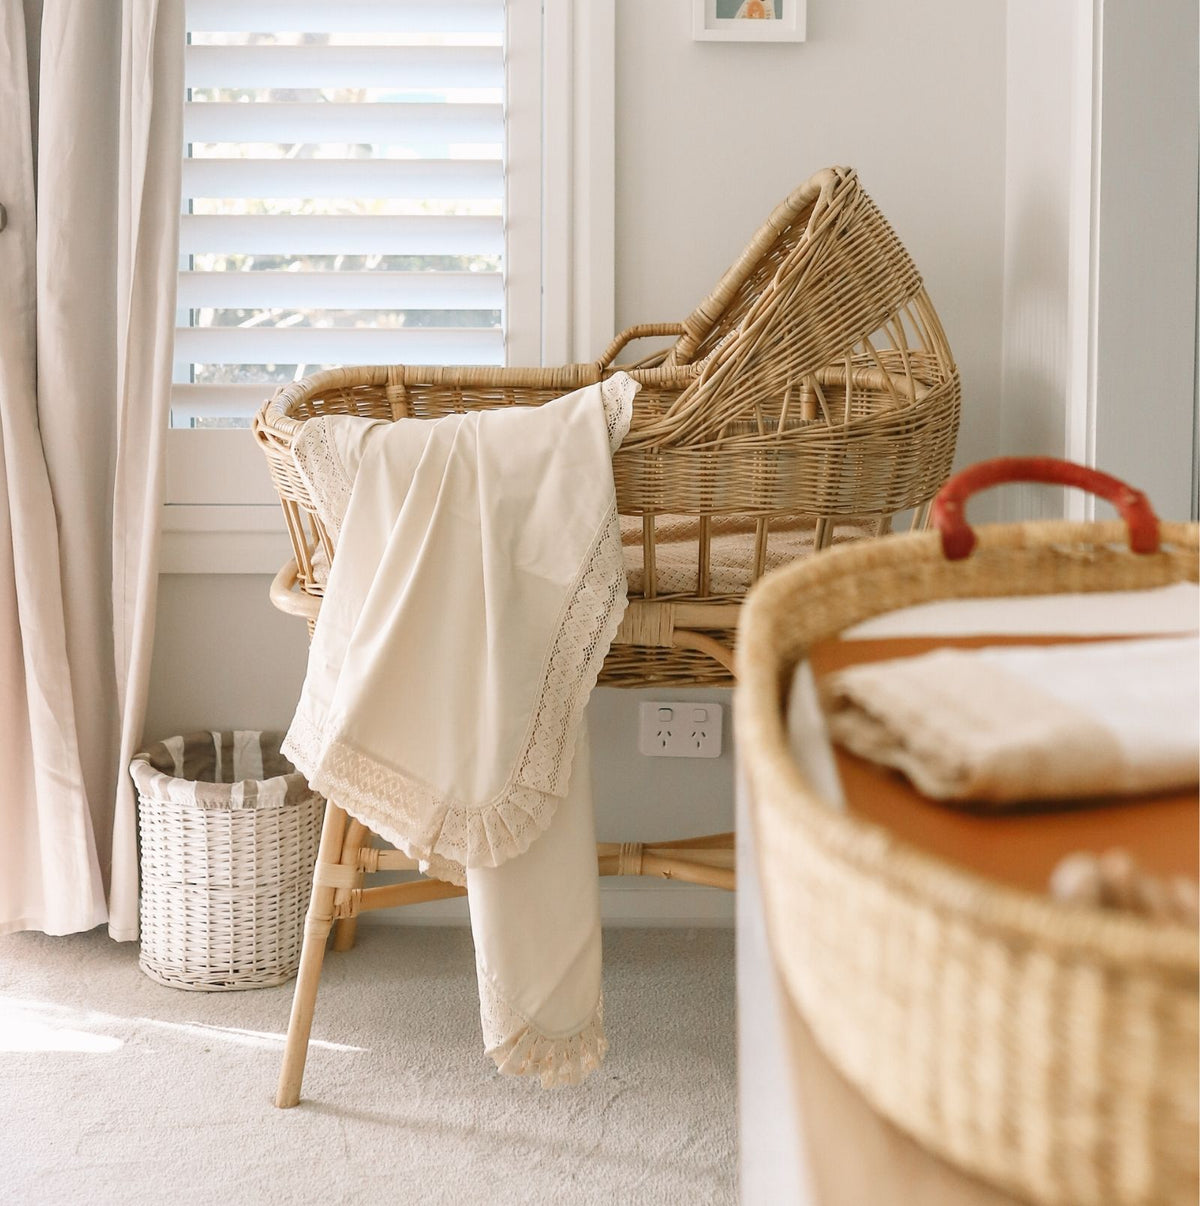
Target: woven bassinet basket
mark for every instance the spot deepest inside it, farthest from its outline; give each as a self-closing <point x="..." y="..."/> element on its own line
<point x="809" y="398"/>
<point x="229" y="834"/>
<point x="1050" y="1050"/>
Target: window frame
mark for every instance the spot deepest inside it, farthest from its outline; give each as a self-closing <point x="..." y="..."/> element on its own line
<point x="220" y="513"/>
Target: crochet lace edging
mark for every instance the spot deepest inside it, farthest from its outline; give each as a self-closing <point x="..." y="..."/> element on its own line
<point x="617" y="393"/>
<point x="584" y="635"/>
<point x="519" y="1048"/>
<point x="322" y="471"/>
<point x="595" y="608"/>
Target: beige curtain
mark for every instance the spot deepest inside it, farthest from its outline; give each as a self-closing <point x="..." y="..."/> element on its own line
<point x="90" y="138"/>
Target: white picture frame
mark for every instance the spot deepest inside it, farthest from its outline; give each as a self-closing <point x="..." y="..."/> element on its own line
<point x="717" y="21"/>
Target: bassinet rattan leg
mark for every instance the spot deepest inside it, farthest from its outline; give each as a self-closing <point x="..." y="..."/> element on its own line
<point x="345" y="929"/>
<point x="317" y="925"/>
<point x="345" y="933"/>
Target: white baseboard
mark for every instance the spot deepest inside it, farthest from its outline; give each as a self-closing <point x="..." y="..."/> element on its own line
<point x="628" y="905"/>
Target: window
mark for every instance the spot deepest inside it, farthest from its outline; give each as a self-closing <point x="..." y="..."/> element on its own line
<point x="375" y="181"/>
<point x="343" y="188"/>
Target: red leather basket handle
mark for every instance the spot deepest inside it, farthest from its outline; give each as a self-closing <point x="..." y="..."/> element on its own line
<point x="958" y="539"/>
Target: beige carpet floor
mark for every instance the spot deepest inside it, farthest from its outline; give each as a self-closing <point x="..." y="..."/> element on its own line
<point x="116" y="1090"/>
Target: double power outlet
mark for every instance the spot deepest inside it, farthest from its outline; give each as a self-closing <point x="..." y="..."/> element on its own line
<point x="680" y="730"/>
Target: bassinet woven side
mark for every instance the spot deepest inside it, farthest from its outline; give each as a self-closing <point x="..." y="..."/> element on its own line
<point x="1051" y="1051"/>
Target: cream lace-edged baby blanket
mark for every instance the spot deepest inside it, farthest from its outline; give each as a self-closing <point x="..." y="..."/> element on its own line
<point x="477" y="586"/>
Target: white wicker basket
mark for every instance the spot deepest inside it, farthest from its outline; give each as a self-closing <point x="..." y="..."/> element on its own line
<point x="229" y="834"/>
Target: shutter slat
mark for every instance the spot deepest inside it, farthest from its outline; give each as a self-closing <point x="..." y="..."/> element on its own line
<point x="329" y="235"/>
<point x="390" y="121"/>
<point x="347" y="16"/>
<point x="339" y="290"/>
<point x="344" y="67"/>
<point x="427" y="179"/>
<point x="339" y="345"/>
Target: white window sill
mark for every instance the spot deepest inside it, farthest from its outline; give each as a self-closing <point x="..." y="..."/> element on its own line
<point x="223" y="540"/>
<point x="220" y="515"/>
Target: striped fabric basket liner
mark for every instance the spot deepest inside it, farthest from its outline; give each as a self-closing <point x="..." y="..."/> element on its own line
<point x="229" y="834"/>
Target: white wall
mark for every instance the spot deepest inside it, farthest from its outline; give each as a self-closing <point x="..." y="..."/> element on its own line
<point x="1143" y="404"/>
<point x="1100" y="244"/>
<point x="1048" y="67"/>
<point x="709" y="136"/>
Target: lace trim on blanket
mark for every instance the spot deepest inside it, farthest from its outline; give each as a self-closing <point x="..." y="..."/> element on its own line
<point x="431" y="827"/>
<point x="618" y="392"/>
<point x="360" y="785"/>
<point x="585" y="633"/>
<point x="520" y="1049"/>
<point x="321" y="468"/>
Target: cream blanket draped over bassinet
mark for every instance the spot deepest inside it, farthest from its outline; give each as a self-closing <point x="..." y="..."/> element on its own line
<point x="478" y="584"/>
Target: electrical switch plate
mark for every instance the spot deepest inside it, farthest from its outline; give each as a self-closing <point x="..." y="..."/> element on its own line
<point x="680" y="730"/>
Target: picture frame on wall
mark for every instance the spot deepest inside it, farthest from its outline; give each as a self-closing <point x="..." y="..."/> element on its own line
<point x="748" y="20"/>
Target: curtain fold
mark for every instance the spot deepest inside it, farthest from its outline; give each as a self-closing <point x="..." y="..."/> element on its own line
<point x="87" y="307"/>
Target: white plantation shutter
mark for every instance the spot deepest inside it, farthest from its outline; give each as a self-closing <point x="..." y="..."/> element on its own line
<point x="343" y="193"/>
<point x="375" y="181"/>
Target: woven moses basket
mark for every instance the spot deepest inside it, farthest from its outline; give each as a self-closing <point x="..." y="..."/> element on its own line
<point x="1047" y="1049"/>
<point x="811" y="395"/>
<point x="229" y="832"/>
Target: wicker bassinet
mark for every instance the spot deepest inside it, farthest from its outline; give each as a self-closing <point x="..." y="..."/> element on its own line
<point x="1050" y="1050"/>
<point x="813" y="388"/>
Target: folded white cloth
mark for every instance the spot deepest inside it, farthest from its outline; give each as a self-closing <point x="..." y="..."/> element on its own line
<point x="477" y="585"/>
<point x="1009" y="724"/>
